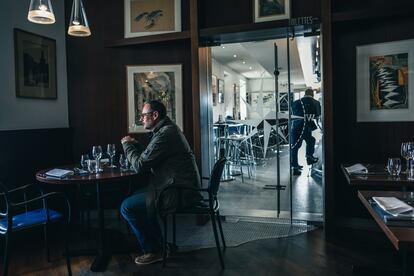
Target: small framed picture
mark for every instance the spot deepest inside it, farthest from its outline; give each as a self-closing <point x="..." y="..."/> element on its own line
<point x="150" y="17"/>
<point x="220" y="85"/>
<point x="154" y="82"/>
<point x="384" y="81"/>
<point x="35" y="65"/>
<point x="270" y="10"/>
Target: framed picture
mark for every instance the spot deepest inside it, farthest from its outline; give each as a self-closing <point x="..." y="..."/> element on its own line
<point x="384" y="82"/>
<point x="35" y="65"/>
<point x="220" y="85"/>
<point x="154" y="82"/>
<point x="269" y="10"/>
<point x="214" y="89"/>
<point x="150" y="17"/>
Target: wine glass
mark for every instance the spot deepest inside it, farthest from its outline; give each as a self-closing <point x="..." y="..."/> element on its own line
<point x="84" y="161"/>
<point x="394" y="166"/>
<point x="123" y="162"/>
<point x="97" y="154"/>
<point x="111" y="150"/>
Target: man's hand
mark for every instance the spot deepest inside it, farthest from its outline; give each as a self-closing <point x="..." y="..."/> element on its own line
<point x="128" y="139"/>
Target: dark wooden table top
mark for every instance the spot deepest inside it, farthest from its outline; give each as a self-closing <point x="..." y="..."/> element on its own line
<point x="105" y="176"/>
<point x="377" y="176"/>
<point x="401" y="237"/>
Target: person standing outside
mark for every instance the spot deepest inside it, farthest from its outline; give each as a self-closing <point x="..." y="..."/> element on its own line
<point x="301" y="129"/>
<point x="170" y="161"/>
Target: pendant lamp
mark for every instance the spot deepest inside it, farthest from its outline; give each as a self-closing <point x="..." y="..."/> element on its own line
<point x="78" y="25"/>
<point x="41" y="12"/>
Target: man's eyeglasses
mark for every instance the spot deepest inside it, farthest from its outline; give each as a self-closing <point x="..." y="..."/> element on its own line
<point x="145" y="114"/>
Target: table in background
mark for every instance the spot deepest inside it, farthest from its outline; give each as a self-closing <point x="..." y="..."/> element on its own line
<point x="103" y="254"/>
<point x="377" y="177"/>
<point x="401" y="237"/>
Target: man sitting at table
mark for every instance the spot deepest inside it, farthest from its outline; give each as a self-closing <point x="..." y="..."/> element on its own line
<point x="170" y="162"/>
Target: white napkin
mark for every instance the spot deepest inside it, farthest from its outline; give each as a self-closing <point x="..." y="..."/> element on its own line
<point x="60" y="173"/>
<point x="356" y="168"/>
<point x="392" y="205"/>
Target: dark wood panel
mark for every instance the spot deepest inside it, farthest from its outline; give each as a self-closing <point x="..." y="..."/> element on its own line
<point x="26" y="151"/>
<point x="97" y="82"/>
<point x="216" y="13"/>
<point x="361" y="142"/>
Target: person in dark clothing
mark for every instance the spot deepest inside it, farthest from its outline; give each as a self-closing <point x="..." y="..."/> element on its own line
<point x="309" y="110"/>
<point x="170" y="162"/>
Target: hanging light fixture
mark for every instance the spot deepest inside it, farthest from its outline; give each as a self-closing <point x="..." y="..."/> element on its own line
<point x="78" y="25"/>
<point x="41" y="12"/>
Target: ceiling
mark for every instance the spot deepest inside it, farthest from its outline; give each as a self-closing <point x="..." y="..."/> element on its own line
<point x="256" y="59"/>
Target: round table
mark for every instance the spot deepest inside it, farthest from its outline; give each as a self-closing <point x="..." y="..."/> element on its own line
<point x="102" y="254"/>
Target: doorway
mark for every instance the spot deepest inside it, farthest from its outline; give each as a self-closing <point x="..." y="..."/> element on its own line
<point x="254" y="85"/>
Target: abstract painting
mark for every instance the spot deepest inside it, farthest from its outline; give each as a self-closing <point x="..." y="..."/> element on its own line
<point x="384" y="82"/>
<point x="154" y="82"/>
<point x="150" y="17"/>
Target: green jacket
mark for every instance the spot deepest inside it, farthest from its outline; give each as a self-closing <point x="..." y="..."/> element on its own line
<point x="170" y="161"/>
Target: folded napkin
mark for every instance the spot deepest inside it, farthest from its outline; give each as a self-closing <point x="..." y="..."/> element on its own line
<point x="392" y="205"/>
<point x="59" y="173"/>
<point x="356" y="168"/>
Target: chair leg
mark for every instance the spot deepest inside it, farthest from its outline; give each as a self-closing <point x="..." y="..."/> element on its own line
<point x="7" y="249"/>
<point x="213" y="222"/>
<point x="164" y="247"/>
<point x="66" y="232"/>
<point x="46" y="243"/>
<point x="221" y="230"/>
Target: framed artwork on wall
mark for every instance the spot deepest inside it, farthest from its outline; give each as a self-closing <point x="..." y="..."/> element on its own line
<point x="214" y="89"/>
<point x="35" y="65"/>
<point x="154" y="82"/>
<point x="269" y="10"/>
<point x="220" y="90"/>
<point x="150" y="17"/>
<point x="384" y="80"/>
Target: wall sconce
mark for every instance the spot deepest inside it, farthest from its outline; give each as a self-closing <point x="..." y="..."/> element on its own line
<point x="41" y="12"/>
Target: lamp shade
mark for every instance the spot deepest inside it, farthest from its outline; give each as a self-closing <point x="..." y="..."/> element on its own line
<point x="41" y="12"/>
<point x="78" y="25"/>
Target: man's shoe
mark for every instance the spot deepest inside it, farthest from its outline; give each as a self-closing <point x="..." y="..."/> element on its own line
<point x="296" y="171"/>
<point x="311" y="160"/>
<point x="149" y="258"/>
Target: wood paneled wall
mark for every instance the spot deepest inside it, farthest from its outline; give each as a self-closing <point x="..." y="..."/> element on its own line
<point x="23" y="152"/>
<point x="361" y="142"/>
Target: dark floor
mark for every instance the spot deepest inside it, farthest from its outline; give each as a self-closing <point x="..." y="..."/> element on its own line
<point x="304" y="254"/>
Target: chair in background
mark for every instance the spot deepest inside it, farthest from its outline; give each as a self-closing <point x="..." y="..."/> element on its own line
<point x="18" y="217"/>
<point x="210" y="207"/>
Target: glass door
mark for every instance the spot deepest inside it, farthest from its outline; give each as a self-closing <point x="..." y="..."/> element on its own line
<point x="252" y="88"/>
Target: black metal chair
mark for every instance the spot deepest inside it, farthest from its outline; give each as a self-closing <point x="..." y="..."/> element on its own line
<point x="209" y="207"/>
<point x="18" y="217"/>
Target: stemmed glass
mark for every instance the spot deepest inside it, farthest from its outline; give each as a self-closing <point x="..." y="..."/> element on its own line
<point x="111" y="150"/>
<point x="97" y="154"/>
<point x="407" y="152"/>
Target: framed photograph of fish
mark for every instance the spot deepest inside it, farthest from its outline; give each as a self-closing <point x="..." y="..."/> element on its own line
<point x="150" y="17"/>
<point x="384" y="82"/>
<point x="154" y="82"/>
<point x="270" y="10"/>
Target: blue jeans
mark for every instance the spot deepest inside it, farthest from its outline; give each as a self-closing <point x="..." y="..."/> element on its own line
<point x="144" y="226"/>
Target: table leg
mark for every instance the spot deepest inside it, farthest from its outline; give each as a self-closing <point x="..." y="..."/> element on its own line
<point x="103" y="257"/>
